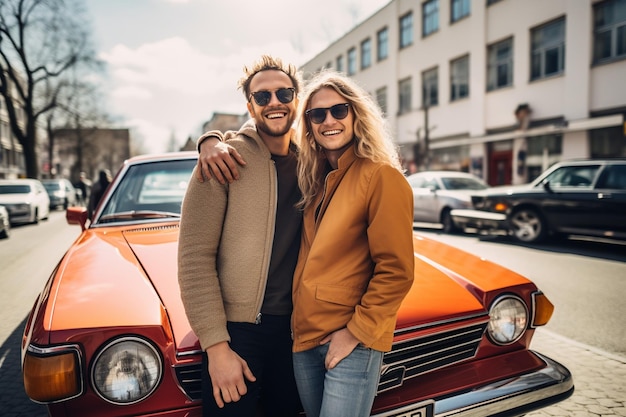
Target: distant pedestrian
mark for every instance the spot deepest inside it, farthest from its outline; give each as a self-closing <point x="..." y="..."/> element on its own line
<point x="98" y="189"/>
<point x="84" y="186"/>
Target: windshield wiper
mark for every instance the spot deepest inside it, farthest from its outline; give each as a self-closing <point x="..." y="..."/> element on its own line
<point x="138" y="214"/>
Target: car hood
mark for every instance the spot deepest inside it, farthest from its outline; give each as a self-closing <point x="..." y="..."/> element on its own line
<point x="503" y="189"/>
<point x="103" y="282"/>
<point x="15" y="198"/>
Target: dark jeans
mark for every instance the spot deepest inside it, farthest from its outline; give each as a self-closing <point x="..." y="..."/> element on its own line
<point x="266" y="347"/>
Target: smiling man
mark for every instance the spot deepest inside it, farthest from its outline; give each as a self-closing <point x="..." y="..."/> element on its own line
<point x="237" y="253"/>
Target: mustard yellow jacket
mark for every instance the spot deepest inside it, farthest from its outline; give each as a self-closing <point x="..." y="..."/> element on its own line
<point x="356" y="258"/>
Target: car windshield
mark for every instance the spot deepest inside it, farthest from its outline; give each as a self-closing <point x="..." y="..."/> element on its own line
<point x="52" y="186"/>
<point x="14" y="189"/>
<point x="148" y="191"/>
<point x="457" y="183"/>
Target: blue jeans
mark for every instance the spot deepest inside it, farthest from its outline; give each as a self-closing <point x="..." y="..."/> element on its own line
<point x="346" y="390"/>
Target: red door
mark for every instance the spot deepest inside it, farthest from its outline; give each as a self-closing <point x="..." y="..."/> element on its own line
<point x="500" y="167"/>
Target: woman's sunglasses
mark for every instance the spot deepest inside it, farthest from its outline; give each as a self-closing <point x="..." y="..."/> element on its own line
<point x="284" y="95"/>
<point x="338" y="111"/>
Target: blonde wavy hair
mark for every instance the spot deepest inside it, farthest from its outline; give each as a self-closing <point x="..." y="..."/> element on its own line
<point x="371" y="134"/>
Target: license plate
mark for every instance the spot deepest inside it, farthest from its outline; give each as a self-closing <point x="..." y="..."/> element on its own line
<point x="423" y="409"/>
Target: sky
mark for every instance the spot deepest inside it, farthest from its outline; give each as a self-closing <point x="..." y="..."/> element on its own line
<point x="172" y="63"/>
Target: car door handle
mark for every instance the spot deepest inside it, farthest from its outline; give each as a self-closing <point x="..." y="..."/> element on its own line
<point x="602" y="196"/>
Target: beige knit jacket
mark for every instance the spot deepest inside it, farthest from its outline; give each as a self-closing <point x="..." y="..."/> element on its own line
<point x="225" y="242"/>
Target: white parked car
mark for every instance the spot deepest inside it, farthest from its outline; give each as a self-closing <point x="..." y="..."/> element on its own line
<point x="436" y="193"/>
<point x="26" y="200"/>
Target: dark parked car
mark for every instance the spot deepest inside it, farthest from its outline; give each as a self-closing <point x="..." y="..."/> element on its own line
<point x="5" y="224"/>
<point x="586" y="197"/>
<point x="436" y="193"/>
<point x="108" y="335"/>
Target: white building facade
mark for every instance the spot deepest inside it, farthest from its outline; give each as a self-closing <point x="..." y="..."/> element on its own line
<point x="500" y="88"/>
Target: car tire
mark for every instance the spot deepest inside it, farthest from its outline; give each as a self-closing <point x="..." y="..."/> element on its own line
<point x="527" y="225"/>
<point x="447" y="222"/>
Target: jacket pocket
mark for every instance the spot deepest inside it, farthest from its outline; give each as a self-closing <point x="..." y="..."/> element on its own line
<point x="336" y="294"/>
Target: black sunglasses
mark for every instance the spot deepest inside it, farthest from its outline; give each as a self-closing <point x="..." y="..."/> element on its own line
<point x="338" y="111"/>
<point x="284" y="95"/>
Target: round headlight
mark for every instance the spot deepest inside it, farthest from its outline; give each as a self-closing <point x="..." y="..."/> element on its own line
<point x="508" y="319"/>
<point x="127" y="370"/>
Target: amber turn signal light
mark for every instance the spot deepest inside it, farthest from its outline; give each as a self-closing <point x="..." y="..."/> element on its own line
<point x="51" y="378"/>
<point x="543" y="310"/>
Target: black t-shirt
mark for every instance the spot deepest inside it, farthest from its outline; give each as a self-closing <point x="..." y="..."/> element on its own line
<point x="286" y="238"/>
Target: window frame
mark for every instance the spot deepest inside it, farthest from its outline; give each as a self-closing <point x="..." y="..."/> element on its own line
<point x="366" y="53"/>
<point x="351" y="70"/>
<point x="613" y="29"/>
<point x="465" y="9"/>
<point x="430" y="77"/>
<point x="430" y="18"/>
<point x="339" y="63"/>
<point x="406" y="30"/>
<point x="494" y="62"/>
<point x="404" y="95"/>
<point x="382" y="44"/>
<point x="541" y="48"/>
<point x="459" y="80"/>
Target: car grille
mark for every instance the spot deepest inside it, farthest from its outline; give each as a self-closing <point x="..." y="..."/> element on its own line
<point x="413" y="357"/>
<point x="406" y="360"/>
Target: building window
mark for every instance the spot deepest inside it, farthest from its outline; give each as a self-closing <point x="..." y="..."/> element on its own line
<point x="609" y="38"/>
<point x="404" y="97"/>
<point x="459" y="78"/>
<point x="500" y="65"/>
<point x="430" y="89"/>
<point x="351" y="61"/>
<point x="339" y="63"/>
<point x="607" y="142"/>
<point x="406" y="30"/>
<point x="366" y="53"/>
<point x="459" y="9"/>
<point x="490" y="2"/>
<point x="430" y="17"/>
<point x="381" y="99"/>
<point x="382" y="37"/>
<point x="547" y="49"/>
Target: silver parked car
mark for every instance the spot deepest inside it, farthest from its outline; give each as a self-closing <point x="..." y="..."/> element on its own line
<point x="26" y="200"/>
<point x="436" y="193"/>
<point x="61" y="192"/>
<point x="5" y="224"/>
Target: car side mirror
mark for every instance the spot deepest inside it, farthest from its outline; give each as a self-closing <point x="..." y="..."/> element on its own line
<point x="77" y="215"/>
<point x="546" y="186"/>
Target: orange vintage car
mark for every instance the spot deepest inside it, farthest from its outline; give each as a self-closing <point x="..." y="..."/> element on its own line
<point x="108" y="335"/>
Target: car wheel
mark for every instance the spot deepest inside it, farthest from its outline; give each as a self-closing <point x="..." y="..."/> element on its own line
<point x="447" y="222"/>
<point x="527" y="225"/>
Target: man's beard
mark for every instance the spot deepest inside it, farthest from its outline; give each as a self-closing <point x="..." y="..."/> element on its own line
<point x="263" y="127"/>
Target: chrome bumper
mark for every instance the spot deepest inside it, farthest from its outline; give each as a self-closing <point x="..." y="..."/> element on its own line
<point x="514" y="397"/>
<point x="479" y="219"/>
<point x="509" y="397"/>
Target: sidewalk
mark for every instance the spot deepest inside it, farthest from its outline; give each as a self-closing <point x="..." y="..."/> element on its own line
<point x="599" y="378"/>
